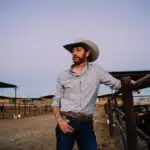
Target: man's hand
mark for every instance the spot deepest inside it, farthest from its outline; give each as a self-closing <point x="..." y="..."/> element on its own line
<point x="132" y="82"/>
<point x="137" y="91"/>
<point x="64" y="126"/>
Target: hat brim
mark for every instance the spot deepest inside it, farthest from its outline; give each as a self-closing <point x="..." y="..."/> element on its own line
<point x="70" y="47"/>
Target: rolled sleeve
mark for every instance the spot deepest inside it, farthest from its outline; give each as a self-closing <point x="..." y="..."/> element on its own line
<point x="107" y="79"/>
<point x="58" y="95"/>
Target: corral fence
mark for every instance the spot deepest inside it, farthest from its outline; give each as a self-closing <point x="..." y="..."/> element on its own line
<point x="124" y="118"/>
<point x="10" y="111"/>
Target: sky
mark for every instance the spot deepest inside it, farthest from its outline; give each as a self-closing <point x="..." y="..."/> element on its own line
<point x="32" y="34"/>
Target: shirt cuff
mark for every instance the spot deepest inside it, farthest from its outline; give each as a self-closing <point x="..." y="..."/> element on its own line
<point x="55" y="103"/>
<point x="117" y="82"/>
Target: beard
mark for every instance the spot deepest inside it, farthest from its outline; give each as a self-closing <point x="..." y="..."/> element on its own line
<point x="79" y="60"/>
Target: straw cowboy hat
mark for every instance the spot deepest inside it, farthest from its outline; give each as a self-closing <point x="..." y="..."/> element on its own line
<point x="86" y="44"/>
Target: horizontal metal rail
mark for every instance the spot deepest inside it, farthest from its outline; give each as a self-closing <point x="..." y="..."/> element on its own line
<point x="142" y="135"/>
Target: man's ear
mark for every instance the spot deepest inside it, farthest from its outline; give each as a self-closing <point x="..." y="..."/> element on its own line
<point x="88" y="53"/>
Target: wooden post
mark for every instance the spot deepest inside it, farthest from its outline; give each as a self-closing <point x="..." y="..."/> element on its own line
<point x="19" y="108"/>
<point x="30" y="110"/>
<point x="45" y="109"/>
<point x="15" y="100"/>
<point x="3" y="114"/>
<point x="34" y="110"/>
<point x="128" y="108"/>
<point x="25" y="109"/>
<point x="110" y="116"/>
<point x="3" y="110"/>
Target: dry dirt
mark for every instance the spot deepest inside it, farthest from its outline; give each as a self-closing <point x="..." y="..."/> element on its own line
<point x="38" y="133"/>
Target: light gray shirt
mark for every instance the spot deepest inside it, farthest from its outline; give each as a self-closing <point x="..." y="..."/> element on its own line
<point x="78" y="92"/>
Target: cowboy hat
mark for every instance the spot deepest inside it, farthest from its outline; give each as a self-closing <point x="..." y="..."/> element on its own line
<point x="86" y="44"/>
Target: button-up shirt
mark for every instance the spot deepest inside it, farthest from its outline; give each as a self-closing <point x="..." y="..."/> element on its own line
<point x="78" y="92"/>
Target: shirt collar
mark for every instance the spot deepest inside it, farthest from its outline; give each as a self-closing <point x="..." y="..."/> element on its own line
<point x="81" y="73"/>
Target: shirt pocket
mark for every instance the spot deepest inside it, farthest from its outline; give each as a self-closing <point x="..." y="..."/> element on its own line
<point x="68" y="88"/>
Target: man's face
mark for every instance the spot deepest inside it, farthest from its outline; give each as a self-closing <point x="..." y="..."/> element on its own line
<point x="79" y="55"/>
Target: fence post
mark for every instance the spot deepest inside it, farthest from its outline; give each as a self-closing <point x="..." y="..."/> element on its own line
<point x="25" y="109"/>
<point x="3" y="113"/>
<point x="19" y="108"/>
<point x="45" y="109"/>
<point x="34" y="110"/>
<point x="30" y="109"/>
<point x="2" y="109"/>
<point x="110" y="116"/>
<point x="128" y="108"/>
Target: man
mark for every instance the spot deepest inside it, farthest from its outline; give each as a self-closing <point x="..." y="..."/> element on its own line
<point x="76" y="94"/>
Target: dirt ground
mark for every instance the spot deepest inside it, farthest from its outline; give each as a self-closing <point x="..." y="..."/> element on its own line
<point x="38" y="133"/>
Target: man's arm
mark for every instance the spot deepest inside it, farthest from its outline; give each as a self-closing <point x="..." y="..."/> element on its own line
<point x="57" y="100"/>
<point x="63" y="124"/>
<point x="107" y="79"/>
<point x="118" y="86"/>
<point x="57" y="114"/>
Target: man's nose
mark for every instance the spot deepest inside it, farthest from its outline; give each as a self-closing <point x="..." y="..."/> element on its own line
<point x="74" y="52"/>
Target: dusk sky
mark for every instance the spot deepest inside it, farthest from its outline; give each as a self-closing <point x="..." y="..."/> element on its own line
<point x="32" y="33"/>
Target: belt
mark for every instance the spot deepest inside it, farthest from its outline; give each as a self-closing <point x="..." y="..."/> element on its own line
<point x="78" y="115"/>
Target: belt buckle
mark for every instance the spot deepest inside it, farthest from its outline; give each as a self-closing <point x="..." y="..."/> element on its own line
<point x="81" y="116"/>
<point x="75" y="115"/>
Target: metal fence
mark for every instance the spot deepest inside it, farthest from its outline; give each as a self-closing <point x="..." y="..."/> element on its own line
<point x="123" y="117"/>
<point x="9" y="111"/>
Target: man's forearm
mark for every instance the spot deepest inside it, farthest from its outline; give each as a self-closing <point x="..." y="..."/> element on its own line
<point x="57" y="113"/>
<point x="118" y="85"/>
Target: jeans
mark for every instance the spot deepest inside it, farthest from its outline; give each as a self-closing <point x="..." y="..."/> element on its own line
<point x="83" y="134"/>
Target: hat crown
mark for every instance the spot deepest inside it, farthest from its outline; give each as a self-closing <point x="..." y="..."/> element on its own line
<point x="93" y="48"/>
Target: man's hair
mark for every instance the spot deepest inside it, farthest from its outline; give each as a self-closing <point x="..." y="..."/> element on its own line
<point x="86" y="49"/>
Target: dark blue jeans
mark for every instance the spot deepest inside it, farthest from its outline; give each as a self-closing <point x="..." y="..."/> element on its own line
<point x="83" y="134"/>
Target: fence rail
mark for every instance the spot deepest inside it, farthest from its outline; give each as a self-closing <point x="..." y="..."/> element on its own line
<point x="125" y="116"/>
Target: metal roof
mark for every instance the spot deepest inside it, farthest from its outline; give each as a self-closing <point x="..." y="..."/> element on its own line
<point x="48" y="96"/>
<point x="7" y="85"/>
<point x="4" y="97"/>
<point x="135" y="75"/>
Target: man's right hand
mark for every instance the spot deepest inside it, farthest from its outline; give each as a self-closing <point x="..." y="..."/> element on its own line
<point x="64" y="126"/>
